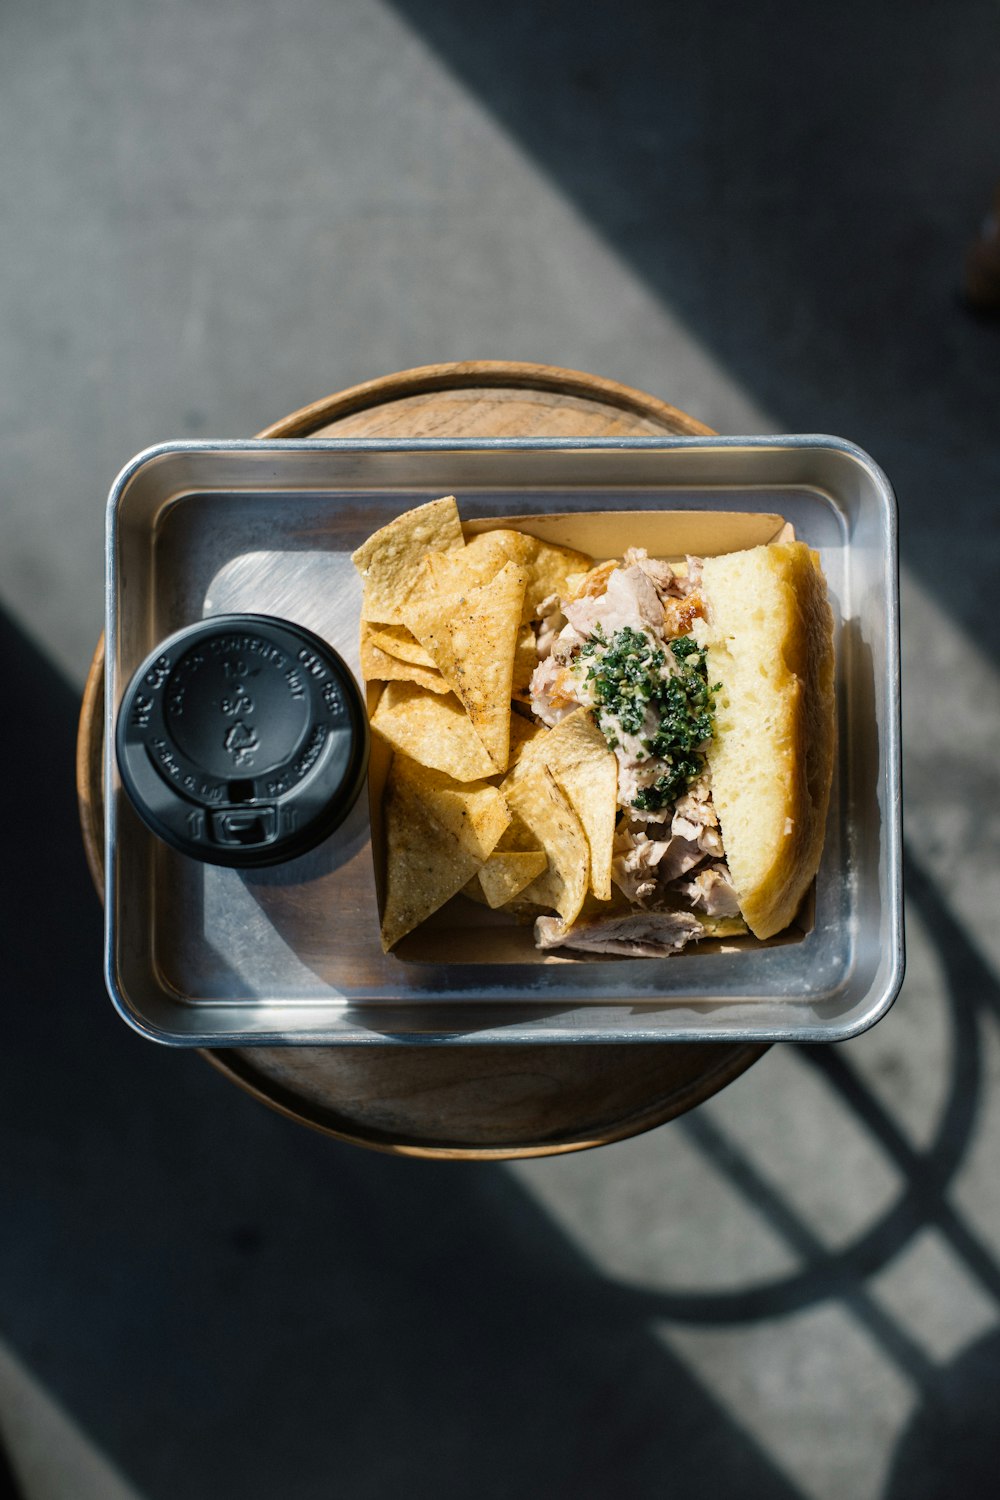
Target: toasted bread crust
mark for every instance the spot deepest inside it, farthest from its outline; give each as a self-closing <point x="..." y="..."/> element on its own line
<point x="770" y="646"/>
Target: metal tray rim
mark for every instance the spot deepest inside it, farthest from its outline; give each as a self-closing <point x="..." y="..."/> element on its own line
<point x="882" y="996"/>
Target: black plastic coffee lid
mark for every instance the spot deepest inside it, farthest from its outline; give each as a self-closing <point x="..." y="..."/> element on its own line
<point x="242" y="740"/>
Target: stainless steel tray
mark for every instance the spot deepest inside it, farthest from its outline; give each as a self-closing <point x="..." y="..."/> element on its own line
<point x="203" y="956"/>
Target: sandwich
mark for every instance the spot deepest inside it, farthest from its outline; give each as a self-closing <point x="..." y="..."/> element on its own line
<point x="630" y="756"/>
<point x="712" y="684"/>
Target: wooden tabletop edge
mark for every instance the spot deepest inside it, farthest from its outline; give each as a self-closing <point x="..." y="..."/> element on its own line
<point x="484" y="374"/>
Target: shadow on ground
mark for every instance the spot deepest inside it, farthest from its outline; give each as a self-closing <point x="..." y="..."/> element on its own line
<point x="228" y="1304"/>
<point x="191" y="1275"/>
<point x="800" y="191"/>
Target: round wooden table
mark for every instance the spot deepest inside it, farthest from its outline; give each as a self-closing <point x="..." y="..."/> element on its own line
<point x="465" y="1103"/>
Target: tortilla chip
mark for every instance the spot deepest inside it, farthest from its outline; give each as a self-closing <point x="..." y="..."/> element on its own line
<point x="576" y="753"/>
<point x="379" y="666"/>
<point x="389" y="561"/>
<point x="549" y="570"/>
<point x="433" y="730"/>
<point x="438" y="833"/>
<point x="472" y="638"/>
<point x="457" y="571"/>
<point x="474" y="891"/>
<point x="537" y="799"/>
<point x="548" y="567"/>
<point x="506" y="873"/>
<point x="516" y="855"/>
<point x="517" y="546"/>
<point x="396" y="640"/>
<point x="525" y="662"/>
<point x="517" y="836"/>
<point x="522" y="732"/>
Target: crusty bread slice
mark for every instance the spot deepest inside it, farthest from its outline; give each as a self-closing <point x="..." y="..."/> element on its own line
<point x="770" y="646"/>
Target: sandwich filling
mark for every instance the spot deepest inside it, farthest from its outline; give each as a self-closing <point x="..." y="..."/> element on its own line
<point x="628" y="647"/>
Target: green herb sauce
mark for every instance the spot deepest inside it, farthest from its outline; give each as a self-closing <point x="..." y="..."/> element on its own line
<point x="672" y="710"/>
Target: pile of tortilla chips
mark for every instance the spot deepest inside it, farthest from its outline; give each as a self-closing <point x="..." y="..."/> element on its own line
<point x="479" y="799"/>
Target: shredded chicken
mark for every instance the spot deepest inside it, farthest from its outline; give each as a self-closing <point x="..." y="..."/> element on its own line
<point x="552" y="691"/>
<point x="635" y="934"/>
<point x="552" y="621"/>
<point x="668" y="582"/>
<point x="678" y="593"/>
<point x="712" y="890"/>
<point x="635" y="775"/>
<point x="695" y="817"/>
<point x="634" y="861"/>
<point x="596" y="581"/>
<point x="630" y="601"/>
<point x="642" y="866"/>
<point x="660" y="574"/>
<point x="695" y="571"/>
<point x="681" y="855"/>
<point x="679" y="615"/>
<point x="661" y="856"/>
